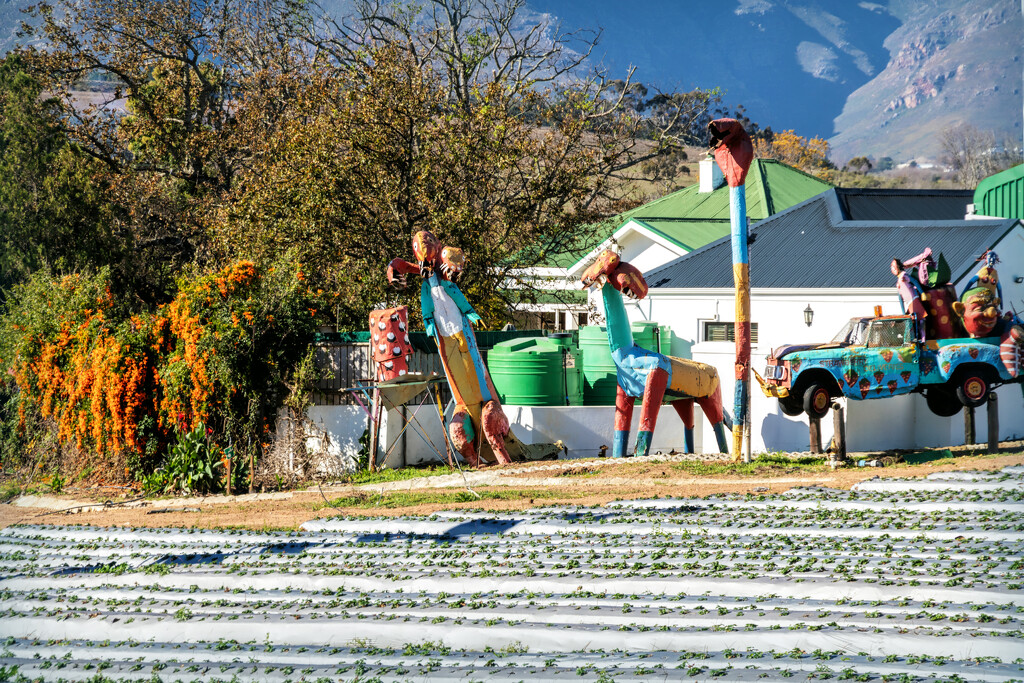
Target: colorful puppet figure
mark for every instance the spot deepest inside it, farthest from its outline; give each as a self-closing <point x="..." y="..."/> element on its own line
<point x="645" y="374"/>
<point x="734" y="153"/>
<point x="389" y="329"/>
<point x="479" y="429"/>
<point x="987" y="277"/>
<point x="979" y="305"/>
<point x="925" y="292"/>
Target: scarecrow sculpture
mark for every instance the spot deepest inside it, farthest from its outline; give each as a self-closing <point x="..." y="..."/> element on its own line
<point x="479" y="429"/>
<point x="925" y="293"/>
<point x="734" y="153"/>
<point x="979" y="307"/>
<point x="645" y="374"/>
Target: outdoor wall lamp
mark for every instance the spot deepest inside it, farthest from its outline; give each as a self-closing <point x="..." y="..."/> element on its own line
<point x="808" y="315"/>
<point x="1019" y="279"/>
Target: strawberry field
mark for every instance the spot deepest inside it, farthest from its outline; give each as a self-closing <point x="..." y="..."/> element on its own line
<point x="896" y="580"/>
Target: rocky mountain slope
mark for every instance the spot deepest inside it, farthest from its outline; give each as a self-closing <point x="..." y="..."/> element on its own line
<point x="952" y="61"/>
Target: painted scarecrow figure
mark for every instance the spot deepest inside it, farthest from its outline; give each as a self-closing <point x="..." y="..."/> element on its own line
<point x="645" y="374"/>
<point x="479" y="429"/>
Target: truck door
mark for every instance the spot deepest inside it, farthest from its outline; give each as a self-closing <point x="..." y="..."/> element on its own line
<point x="892" y="363"/>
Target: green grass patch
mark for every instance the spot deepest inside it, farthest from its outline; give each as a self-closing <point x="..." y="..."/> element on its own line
<point x="401" y="499"/>
<point x="383" y="476"/>
<point x="927" y="456"/>
<point x="761" y="465"/>
<point x="9" y="490"/>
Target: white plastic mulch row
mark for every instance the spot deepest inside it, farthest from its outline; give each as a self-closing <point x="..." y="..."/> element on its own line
<point x="905" y="581"/>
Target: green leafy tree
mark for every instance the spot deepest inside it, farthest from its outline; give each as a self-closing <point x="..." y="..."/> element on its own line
<point x="53" y="205"/>
<point x="859" y="164"/>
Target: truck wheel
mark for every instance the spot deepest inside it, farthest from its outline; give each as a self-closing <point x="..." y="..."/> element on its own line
<point x="817" y="400"/>
<point x="942" y="401"/>
<point x="972" y="387"/>
<point x="791" y="405"/>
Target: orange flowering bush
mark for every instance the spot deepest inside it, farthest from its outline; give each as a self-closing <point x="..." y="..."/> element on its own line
<point x="115" y="386"/>
<point x="226" y="345"/>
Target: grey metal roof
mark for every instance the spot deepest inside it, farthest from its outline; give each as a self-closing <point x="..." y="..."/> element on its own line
<point x="812" y="245"/>
<point x="870" y="204"/>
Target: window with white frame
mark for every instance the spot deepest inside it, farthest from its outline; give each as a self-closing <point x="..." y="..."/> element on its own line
<point x="716" y="331"/>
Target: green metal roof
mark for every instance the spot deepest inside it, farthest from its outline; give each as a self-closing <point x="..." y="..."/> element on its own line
<point x="1001" y="194"/>
<point x="689" y="235"/>
<point x="701" y="218"/>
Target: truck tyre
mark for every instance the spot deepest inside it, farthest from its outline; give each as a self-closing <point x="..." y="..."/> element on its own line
<point x="942" y="401"/>
<point x="972" y="387"/>
<point x="791" y="405"/>
<point x="817" y="399"/>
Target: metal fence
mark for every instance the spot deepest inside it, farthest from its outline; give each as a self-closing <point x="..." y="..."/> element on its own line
<point x="344" y="361"/>
<point x="343" y="366"/>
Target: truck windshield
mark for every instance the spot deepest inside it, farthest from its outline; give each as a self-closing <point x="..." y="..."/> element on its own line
<point x="891" y="332"/>
<point x="852" y="332"/>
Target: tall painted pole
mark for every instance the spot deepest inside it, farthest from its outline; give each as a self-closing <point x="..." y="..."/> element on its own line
<point x="734" y="153"/>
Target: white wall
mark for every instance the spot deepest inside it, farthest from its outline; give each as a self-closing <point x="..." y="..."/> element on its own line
<point x="645" y="254"/>
<point x="584" y="429"/>
<point x="344" y="425"/>
<point x="1011" y="255"/>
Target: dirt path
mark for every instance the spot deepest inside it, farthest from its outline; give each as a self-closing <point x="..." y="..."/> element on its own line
<point x="576" y="482"/>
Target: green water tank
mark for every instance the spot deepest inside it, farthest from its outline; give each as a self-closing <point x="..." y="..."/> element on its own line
<point x="600" y="383"/>
<point x="537" y="371"/>
<point x="645" y="334"/>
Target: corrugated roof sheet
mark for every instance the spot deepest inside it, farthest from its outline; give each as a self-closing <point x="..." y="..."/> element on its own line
<point x="691" y="234"/>
<point x="873" y="204"/>
<point x="1001" y="194"/>
<point x="812" y="246"/>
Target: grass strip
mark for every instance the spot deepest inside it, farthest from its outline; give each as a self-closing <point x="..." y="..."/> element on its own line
<point x="400" y="499"/>
<point x="384" y="476"/>
<point x="762" y="465"/>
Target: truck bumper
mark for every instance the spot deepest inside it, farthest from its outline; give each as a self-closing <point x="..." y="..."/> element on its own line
<point x="770" y="390"/>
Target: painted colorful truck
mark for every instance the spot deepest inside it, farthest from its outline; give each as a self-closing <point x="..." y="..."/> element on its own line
<point x="878" y="357"/>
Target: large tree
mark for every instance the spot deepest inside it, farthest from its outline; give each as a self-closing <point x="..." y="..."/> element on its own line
<point x="53" y="210"/>
<point x="149" y="91"/>
<point x="235" y="128"/>
<point x="974" y="155"/>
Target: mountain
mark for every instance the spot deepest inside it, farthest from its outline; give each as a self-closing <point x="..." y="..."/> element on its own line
<point x="950" y="63"/>
<point x="879" y="78"/>
<point x="791" y="64"/>
<point x="875" y="77"/>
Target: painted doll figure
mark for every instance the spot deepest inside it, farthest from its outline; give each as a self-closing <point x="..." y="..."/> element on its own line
<point x="479" y="429"/>
<point x="648" y="375"/>
<point x="925" y="292"/>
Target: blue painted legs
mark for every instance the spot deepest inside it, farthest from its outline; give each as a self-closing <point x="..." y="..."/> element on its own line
<point x="684" y="408"/>
<point x="723" y="445"/>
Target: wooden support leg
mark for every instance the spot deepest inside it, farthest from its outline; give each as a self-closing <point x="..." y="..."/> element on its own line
<point x="712" y="407"/>
<point x="815" y="435"/>
<point x="378" y="407"/>
<point x="623" y="421"/>
<point x="654" y="392"/>
<point x="993" y="422"/>
<point x="839" y="430"/>
<point x="969" y="438"/>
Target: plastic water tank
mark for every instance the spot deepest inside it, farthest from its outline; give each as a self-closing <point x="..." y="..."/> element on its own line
<point x="536" y="371"/>
<point x="600" y="382"/>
